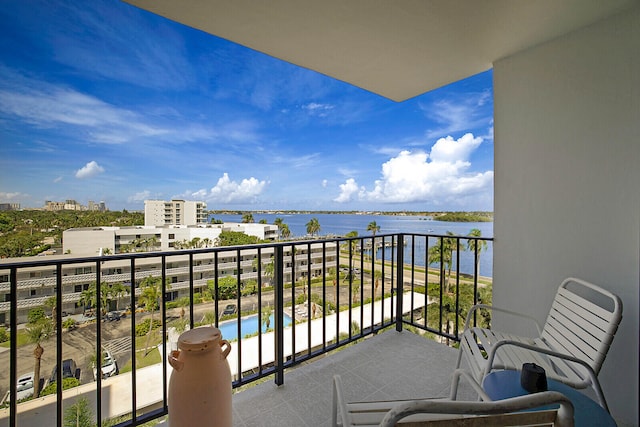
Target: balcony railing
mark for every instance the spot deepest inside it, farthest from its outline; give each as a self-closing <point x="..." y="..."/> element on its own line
<point x="286" y="302"/>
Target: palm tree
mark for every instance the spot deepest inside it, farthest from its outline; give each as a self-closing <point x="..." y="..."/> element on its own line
<point x="269" y="269"/>
<point x="278" y="221"/>
<point x="149" y="297"/>
<point x="79" y="414"/>
<point x="313" y="226"/>
<point x="118" y="290"/>
<point x="284" y="231"/>
<point x="442" y="253"/>
<point x="373" y="227"/>
<point x="473" y="244"/>
<point x="196" y="242"/>
<point x="37" y="333"/>
<point x="52" y="303"/>
<point x="247" y="217"/>
<point x="266" y="317"/>
<point x="88" y="297"/>
<point x="209" y="318"/>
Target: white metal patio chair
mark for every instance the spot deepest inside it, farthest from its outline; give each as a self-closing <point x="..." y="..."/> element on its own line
<point x="571" y="346"/>
<point x="446" y="412"/>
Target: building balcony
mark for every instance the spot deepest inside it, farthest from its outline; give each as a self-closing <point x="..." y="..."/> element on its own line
<point x="381" y="319"/>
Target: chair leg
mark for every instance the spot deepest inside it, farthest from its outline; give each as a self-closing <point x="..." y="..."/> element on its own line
<point x="455" y="380"/>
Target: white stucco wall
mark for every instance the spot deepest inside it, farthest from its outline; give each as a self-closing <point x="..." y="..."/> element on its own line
<point x="567" y="182"/>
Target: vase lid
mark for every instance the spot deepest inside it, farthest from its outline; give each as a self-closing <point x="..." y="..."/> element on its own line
<point x="199" y="339"/>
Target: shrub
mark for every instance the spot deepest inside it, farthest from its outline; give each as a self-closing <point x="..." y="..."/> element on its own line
<point x="35" y="315"/>
<point x="4" y="335"/>
<point x="67" y="383"/>
<point x="142" y="328"/>
<point x="69" y="323"/>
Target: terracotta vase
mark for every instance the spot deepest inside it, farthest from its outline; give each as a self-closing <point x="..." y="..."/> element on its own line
<point x="200" y="384"/>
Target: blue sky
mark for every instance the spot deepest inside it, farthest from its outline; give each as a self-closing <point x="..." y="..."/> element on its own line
<point x="102" y="101"/>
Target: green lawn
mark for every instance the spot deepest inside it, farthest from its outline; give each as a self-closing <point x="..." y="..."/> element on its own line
<point x="23" y="339"/>
<point x="141" y="360"/>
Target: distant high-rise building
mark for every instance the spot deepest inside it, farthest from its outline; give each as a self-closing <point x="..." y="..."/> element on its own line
<point x="174" y="212"/>
<point x="9" y="206"/>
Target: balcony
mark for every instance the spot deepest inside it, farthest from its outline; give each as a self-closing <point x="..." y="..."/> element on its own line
<point x="337" y="292"/>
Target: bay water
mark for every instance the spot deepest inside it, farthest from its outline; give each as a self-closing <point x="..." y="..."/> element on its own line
<point x="332" y="225"/>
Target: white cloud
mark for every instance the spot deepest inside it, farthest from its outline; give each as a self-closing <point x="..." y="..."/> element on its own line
<point x="348" y="190"/>
<point x="457" y="114"/>
<point x="57" y="179"/>
<point x="450" y="150"/>
<point x="140" y="196"/>
<point x="89" y="170"/>
<point x="11" y="196"/>
<point x="228" y="191"/>
<point x="441" y="176"/>
<point x="318" y="110"/>
<point x="324" y="183"/>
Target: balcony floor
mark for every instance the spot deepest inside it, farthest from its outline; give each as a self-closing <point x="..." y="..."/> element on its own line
<point x="386" y="366"/>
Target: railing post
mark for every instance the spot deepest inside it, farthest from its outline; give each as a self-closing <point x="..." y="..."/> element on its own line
<point x="279" y="314"/>
<point x="399" y="280"/>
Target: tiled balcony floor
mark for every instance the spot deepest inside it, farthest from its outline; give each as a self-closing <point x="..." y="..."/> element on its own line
<point x="387" y="366"/>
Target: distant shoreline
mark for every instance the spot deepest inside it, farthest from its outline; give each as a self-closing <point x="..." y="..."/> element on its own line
<point x="450" y="216"/>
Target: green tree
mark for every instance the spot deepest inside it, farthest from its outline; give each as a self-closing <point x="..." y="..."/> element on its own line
<point x="247" y="217"/>
<point x="227" y="287"/>
<point x="79" y="414"/>
<point x="373" y="227"/>
<point x="118" y="290"/>
<point x="88" y="297"/>
<point x="480" y="245"/>
<point x="236" y="238"/>
<point x="35" y="315"/>
<point x="313" y="226"/>
<point x="442" y="253"/>
<point x="150" y="294"/>
<point x="37" y="333"/>
<point x="209" y="318"/>
<point x="284" y="231"/>
<point x="52" y="303"/>
<point x="266" y="317"/>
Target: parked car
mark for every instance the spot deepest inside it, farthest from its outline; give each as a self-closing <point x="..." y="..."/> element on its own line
<point x="109" y="366"/>
<point x="24" y="387"/>
<point x="113" y="315"/>
<point x="69" y="370"/>
<point x="229" y="309"/>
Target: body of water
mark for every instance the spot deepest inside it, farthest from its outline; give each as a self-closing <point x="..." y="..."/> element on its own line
<point x="340" y="224"/>
<point x="249" y="325"/>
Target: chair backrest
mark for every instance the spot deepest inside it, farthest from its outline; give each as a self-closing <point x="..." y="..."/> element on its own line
<point x="481" y="414"/>
<point x="583" y="321"/>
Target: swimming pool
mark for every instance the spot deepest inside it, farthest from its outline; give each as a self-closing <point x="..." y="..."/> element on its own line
<point x="249" y="326"/>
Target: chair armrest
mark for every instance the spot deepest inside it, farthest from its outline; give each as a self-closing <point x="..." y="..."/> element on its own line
<point x="455" y="380"/>
<point x="551" y="353"/>
<point x="339" y="404"/>
<point x="477" y="307"/>
<point x="412" y="407"/>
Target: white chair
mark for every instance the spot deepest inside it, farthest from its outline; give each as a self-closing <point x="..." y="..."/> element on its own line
<point x="571" y="346"/>
<point x="446" y="412"/>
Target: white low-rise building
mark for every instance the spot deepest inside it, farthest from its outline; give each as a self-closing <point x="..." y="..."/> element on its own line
<point x="37" y="284"/>
<point x="90" y="241"/>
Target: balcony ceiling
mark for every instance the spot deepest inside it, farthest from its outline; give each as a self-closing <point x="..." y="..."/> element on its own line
<point x="394" y="48"/>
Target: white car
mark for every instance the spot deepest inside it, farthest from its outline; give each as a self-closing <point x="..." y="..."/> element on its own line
<point x="24" y="387"/>
<point x="109" y="366"/>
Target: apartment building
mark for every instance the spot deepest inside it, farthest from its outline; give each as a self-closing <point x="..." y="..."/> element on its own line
<point x="91" y="241"/>
<point x="174" y="212"/>
<point x="37" y="284"/>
